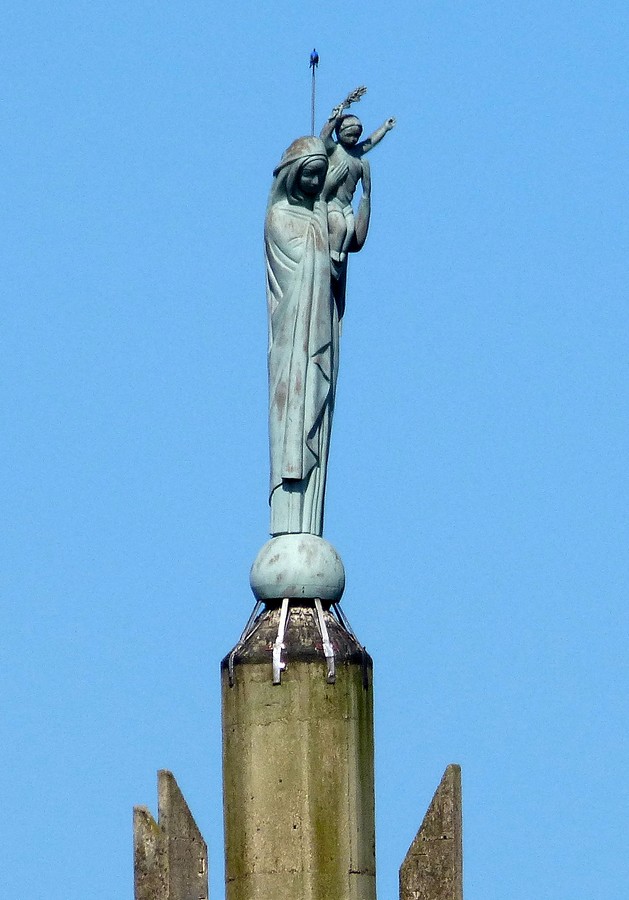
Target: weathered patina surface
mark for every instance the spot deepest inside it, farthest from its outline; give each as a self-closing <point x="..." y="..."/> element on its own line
<point x="310" y="228"/>
<point x="303" y="338"/>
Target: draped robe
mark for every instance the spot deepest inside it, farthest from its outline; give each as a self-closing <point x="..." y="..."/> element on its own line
<point x="303" y="355"/>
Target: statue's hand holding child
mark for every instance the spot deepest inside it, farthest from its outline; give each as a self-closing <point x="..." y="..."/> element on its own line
<point x="333" y="181"/>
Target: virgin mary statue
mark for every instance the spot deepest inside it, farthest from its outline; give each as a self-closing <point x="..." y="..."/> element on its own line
<point x="303" y="337"/>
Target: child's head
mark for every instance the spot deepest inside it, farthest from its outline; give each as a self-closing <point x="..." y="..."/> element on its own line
<point x="348" y="130"/>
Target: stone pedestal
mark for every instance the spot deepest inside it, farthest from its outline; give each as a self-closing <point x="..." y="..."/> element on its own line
<point x="298" y="761"/>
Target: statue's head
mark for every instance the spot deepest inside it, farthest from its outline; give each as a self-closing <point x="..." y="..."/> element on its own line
<point x="311" y="176"/>
<point x="348" y="130"/>
<point x="302" y="169"/>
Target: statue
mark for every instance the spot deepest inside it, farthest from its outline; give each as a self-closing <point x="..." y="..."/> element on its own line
<point x="309" y="230"/>
<point x="347" y="231"/>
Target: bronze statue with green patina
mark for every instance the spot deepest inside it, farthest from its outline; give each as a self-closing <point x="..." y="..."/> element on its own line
<point x="310" y="229"/>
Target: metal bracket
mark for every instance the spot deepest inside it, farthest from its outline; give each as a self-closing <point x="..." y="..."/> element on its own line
<point x="328" y="650"/>
<point x="278" y="646"/>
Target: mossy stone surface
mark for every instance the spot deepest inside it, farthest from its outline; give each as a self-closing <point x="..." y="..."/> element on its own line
<point x="298" y="772"/>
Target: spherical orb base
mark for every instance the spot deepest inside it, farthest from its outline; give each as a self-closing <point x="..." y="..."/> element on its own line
<point x="298" y="566"/>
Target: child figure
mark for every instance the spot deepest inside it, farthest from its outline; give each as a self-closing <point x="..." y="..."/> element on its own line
<point x="348" y="232"/>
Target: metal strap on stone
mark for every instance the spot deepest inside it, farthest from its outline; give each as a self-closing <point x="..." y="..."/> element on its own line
<point x="328" y="650"/>
<point x="252" y="623"/>
<point x="278" y="665"/>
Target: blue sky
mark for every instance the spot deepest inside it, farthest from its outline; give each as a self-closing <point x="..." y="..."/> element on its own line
<point x="478" y="488"/>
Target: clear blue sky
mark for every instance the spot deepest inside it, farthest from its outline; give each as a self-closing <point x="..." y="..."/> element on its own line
<point x="478" y="490"/>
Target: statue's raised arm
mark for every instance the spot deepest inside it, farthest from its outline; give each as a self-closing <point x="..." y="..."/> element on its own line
<point x="375" y="138"/>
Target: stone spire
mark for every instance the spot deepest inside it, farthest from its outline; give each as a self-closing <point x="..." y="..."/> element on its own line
<point x="170" y="856"/>
<point x="433" y="866"/>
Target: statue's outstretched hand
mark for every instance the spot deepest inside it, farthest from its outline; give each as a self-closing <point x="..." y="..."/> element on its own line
<point x="390" y="123"/>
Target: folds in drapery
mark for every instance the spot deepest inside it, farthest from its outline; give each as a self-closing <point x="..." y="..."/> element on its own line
<point x="303" y="361"/>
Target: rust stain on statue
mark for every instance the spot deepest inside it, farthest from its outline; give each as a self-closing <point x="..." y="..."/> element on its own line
<point x="280" y="397"/>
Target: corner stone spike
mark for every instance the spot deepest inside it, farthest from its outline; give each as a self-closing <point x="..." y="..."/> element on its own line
<point x="433" y="866"/>
<point x="170" y="858"/>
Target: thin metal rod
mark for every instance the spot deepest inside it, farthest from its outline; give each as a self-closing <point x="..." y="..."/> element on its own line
<point x="344" y="621"/>
<point x="314" y="81"/>
<point x="250" y="627"/>
<point x="342" y="618"/>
